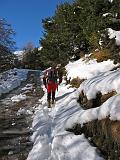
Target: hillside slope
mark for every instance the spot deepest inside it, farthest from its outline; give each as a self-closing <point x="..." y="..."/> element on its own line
<point x="53" y="138"/>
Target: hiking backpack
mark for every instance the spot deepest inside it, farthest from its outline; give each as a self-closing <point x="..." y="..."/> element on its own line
<point x="52" y="75"/>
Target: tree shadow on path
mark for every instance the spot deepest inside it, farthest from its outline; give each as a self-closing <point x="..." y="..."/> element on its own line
<point x="64" y="95"/>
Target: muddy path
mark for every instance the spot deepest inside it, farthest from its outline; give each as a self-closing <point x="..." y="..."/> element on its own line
<point x="16" y="111"/>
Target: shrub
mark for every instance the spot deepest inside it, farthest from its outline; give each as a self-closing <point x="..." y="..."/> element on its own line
<point x="102" y="55"/>
<point x="75" y="82"/>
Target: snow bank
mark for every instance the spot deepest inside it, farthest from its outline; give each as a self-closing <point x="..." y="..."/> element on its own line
<point x="89" y="69"/>
<point x="114" y="34"/>
<point x="111" y="109"/>
<point x="51" y="141"/>
<point x="68" y="146"/>
<point x="11" y="79"/>
<point x="50" y="138"/>
<point x="104" y="83"/>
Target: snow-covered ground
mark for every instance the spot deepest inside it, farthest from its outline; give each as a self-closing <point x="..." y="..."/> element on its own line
<point x="85" y="69"/>
<point x="50" y="138"/>
<point x="18" y="98"/>
<point x="11" y="79"/>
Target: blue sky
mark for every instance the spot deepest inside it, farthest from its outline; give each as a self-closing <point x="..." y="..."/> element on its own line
<point x="26" y="16"/>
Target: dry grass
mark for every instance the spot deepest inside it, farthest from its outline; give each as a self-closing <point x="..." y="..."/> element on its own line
<point x="100" y="56"/>
<point x="107" y="96"/>
<point x="82" y="54"/>
<point x="75" y="82"/>
<point x="115" y="131"/>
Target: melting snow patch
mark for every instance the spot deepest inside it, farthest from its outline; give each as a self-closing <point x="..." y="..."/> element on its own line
<point x="23" y="111"/>
<point x="11" y="79"/>
<point x="18" y="98"/>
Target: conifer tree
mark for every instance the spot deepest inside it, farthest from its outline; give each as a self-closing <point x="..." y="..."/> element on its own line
<point x="77" y="27"/>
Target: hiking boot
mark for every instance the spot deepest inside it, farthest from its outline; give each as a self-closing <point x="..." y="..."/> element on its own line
<point x="49" y="105"/>
<point x="53" y="101"/>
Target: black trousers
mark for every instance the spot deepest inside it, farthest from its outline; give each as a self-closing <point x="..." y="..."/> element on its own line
<point x="49" y="96"/>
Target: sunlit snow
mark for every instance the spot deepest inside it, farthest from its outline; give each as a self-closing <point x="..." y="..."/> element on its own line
<point x="50" y="138"/>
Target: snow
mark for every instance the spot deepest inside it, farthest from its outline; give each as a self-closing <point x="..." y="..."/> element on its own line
<point x="71" y="147"/>
<point x="11" y="79"/>
<point x="40" y="48"/>
<point x="104" y="83"/>
<point x="18" y="98"/>
<point x="51" y="140"/>
<point x="114" y="34"/>
<point x="89" y="69"/>
<point x="19" y="54"/>
<point x="106" y="14"/>
<point x="24" y="111"/>
<point x="110" y="108"/>
<point x="27" y="87"/>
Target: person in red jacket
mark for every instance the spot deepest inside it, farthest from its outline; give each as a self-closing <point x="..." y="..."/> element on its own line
<point x="50" y="82"/>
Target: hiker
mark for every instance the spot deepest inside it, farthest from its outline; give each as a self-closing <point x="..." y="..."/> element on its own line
<point x="50" y="82"/>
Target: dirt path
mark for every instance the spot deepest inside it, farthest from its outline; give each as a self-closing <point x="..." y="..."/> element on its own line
<point x="16" y="118"/>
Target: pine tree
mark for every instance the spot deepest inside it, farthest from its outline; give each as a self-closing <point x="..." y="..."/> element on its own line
<point x="77" y="27"/>
<point x="31" y="57"/>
